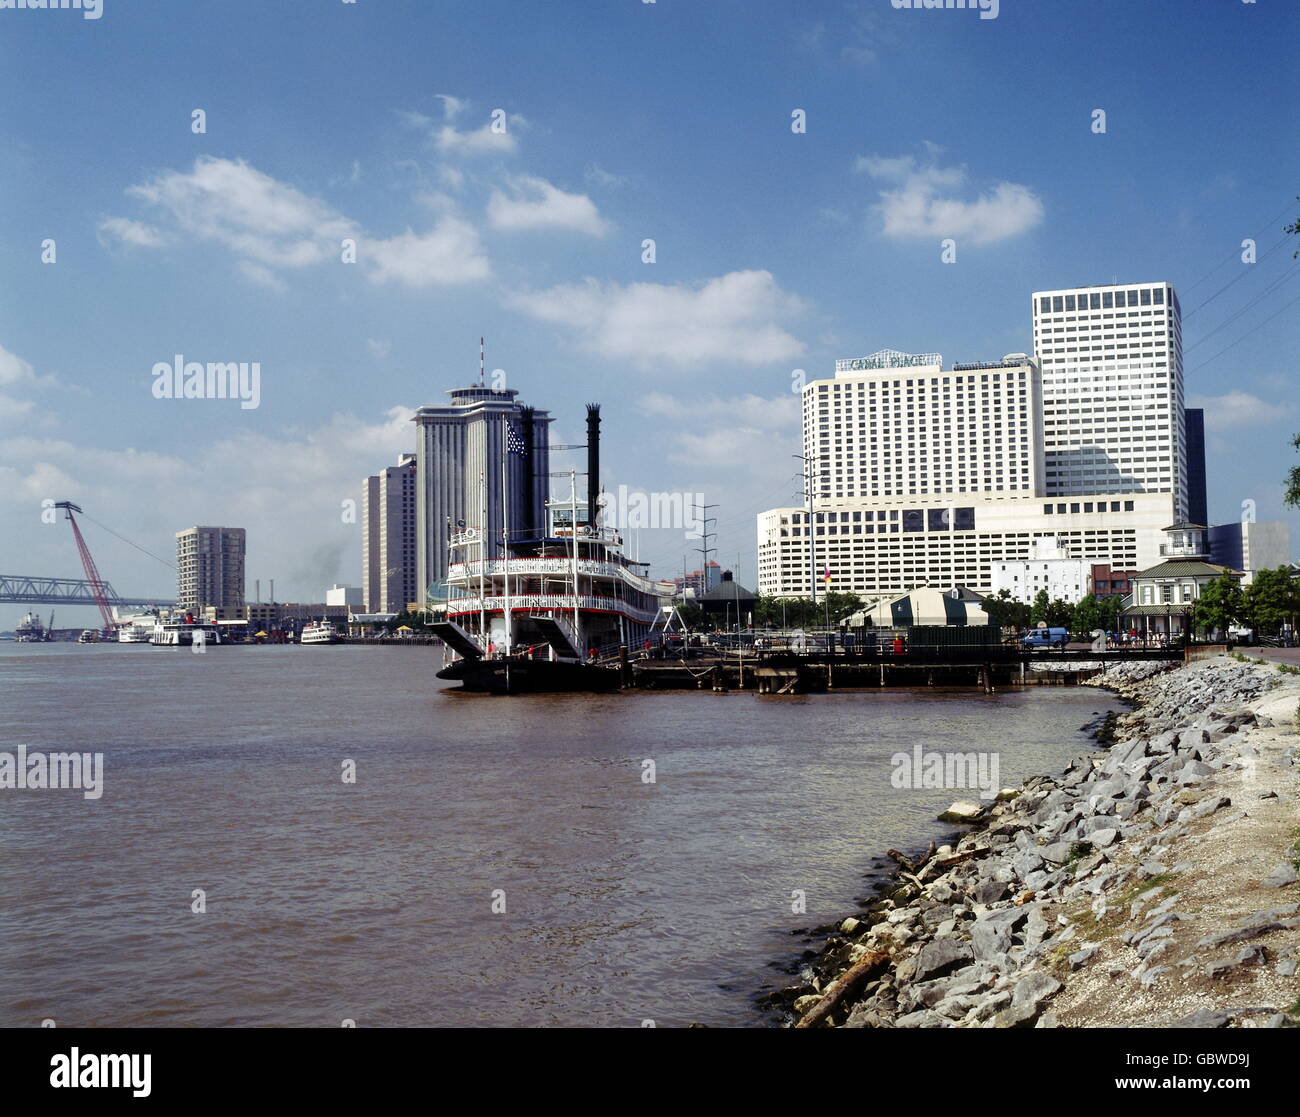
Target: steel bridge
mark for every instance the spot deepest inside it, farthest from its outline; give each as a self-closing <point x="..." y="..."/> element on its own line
<point x="23" y="589"/>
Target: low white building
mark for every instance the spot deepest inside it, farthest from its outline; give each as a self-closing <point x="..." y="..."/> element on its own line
<point x="351" y="596"/>
<point x="1049" y="567"/>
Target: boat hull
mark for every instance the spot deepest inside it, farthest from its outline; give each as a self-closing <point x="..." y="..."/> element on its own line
<point x="530" y="676"/>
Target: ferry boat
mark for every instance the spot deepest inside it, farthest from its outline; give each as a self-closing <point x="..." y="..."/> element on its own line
<point x="88" y="636"/>
<point x="551" y="615"/>
<point x="185" y="633"/>
<point x="136" y="629"/>
<point x="320" y="632"/>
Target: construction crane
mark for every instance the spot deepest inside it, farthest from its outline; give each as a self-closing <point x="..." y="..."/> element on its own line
<point x="88" y="564"/>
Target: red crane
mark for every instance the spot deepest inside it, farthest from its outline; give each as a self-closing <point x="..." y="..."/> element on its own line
<point x="88" y="564"/>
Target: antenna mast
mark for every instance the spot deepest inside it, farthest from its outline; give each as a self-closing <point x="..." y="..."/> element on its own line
<point x="481" y="363"/>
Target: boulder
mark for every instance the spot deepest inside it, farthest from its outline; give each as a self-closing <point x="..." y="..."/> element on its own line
<point x="963" y="810"/>
<point x="941" y="957"/>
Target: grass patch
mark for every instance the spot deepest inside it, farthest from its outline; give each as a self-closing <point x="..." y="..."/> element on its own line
<point x="1117" y="916"/>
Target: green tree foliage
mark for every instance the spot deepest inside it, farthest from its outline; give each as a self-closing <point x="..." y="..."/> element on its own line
<point x="1291" y="494"/>
<point x="802" y="612"/>
<point x="1093" y="614"/>
<point x="1271" y="600"/>
<point x="1219" y="605"/>
<point x="1039" y="607"/>
<point x="1005" y="611"/>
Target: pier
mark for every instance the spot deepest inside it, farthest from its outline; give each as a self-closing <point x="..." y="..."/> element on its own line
<point x="877" y="667"/>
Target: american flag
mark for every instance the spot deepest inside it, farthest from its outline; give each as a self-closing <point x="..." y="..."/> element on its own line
<point x="514" y="443"/>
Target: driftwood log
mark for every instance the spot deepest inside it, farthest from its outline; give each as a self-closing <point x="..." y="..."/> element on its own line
<point x="865" y="968"/>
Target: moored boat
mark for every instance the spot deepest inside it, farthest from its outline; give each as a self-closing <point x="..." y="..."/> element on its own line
<point x="176" y="634"/>
<point x="551" y="613"/>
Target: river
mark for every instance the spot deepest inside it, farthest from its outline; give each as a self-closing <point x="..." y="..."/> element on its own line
<point x="373" y="901"/>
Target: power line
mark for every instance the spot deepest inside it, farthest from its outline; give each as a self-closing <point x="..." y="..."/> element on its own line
<point x="127" y="541"/>
<point x="1235" y="252"/>
<point x="1248" y="307"/>
<point x="1246" y="270"/>
<point x="1247" y="334"/>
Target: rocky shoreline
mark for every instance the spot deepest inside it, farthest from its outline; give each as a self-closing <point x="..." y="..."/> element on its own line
<point x="1150" y="884"/>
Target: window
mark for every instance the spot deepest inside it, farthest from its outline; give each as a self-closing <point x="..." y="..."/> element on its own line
<point x="937" y="519"/>
<point x="913" y="520"/>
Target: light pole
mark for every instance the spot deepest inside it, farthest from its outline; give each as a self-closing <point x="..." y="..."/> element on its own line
<point x="808" y="478"/>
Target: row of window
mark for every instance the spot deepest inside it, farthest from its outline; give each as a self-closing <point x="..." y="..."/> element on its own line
<point x="1101" y="300"/>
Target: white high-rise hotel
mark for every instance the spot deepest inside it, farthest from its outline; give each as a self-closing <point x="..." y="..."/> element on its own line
<point x="1112" y="361"/>
<point x="921" y="475"/>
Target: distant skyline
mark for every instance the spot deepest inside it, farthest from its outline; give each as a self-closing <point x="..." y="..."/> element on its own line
<point x="499" y="168"/>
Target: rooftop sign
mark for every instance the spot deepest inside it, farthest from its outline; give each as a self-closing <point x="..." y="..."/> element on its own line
<point x="888" y="358"/>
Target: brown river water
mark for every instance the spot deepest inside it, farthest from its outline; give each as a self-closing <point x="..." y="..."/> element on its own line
<point x="373" y="901"/>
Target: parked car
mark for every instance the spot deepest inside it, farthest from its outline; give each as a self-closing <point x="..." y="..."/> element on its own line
<point x="1045" y="638"/>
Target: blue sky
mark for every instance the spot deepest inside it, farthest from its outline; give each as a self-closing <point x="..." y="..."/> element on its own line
<point x="775" y="251"/>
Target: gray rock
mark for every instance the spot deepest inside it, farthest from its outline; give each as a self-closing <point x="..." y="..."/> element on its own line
<point x="1034" y="988"/>
<point x="1281" y="876"/>
<point x="1081" y="957"/>
<point x="923" y="1018"/>
<point x="963" y="810"/>
<point x="940" y="957"/>
<point x="1246" y="956"/>
<point x="1203" y="1018"/>
<point x="1026" y="863"/>
<point x="990" y="891"/>
<point x="989" y="942"/>
<point x="1240" y="934"/>
<point x="1058" y="853"/>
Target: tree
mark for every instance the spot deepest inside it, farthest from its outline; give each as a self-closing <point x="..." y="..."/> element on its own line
<point x="1271" y="600"/>
<point x="1038" y="610"/>
<point x="1218" y="606"/>
<point x="1291" y="495"/>
<point x="1060" y="614"/>
<point x="1006" y="611"/>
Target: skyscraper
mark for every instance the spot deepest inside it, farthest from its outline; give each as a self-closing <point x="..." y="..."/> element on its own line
<point x="1112" y="366"/>
<point x="482" y="463"/>
<point x="210" y="567"/>
<point x="1198" y="508"/>
<point x="388" y="546"/>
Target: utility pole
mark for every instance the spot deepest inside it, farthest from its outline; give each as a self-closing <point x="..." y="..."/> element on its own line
<point x="706" y="535"/>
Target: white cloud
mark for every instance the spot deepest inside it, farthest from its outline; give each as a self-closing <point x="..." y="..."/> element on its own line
<point x="452" y="107"/>
<point x="535" y="203"/>
<point x="732" y="319"/>
<point x="777" y="412"/>
<point x="596" y="175"/>
<point x="285" y="487"/>
<point x="448" y="254"/>
<point x="379" y="349"/>
<point x="920" y="201"/>
<point x="254" y="215"/>
<point x="480" y="141"/>
<point x="272" y="227"/>
<point x="16" y="372"/>
<point x="1239" y="409"/>
<point x="125" y="231"/>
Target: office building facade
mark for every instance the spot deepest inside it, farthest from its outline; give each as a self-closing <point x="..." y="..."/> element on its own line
<point x="210" y="568"/>
<point x="482" y="464"/>
<point x="1112" y="376"/>
<point x="895" y="425"/>
<point x="389" y="578"/>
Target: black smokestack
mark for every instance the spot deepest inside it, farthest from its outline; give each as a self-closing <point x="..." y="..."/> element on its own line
<point x="593" y="459"/>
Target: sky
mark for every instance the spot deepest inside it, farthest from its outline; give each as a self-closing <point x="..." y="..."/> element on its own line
<point x="499" y="167"/>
